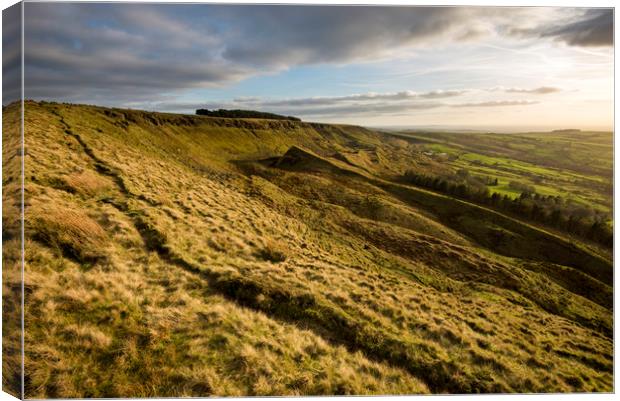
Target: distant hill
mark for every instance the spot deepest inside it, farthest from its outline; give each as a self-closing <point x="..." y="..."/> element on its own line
<point x="244" y="114"/>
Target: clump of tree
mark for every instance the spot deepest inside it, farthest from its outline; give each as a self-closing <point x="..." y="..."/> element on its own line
<point x="521" y="187"/>
<point x="461" y="184"/>
<point x="552" y="211"/>
<point x="244" y="114"/>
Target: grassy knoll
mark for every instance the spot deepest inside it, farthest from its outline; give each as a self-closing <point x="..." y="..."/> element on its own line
<point x="187" y="255"/>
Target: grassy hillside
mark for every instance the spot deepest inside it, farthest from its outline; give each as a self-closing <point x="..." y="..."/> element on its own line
<point x="172" y="255"/>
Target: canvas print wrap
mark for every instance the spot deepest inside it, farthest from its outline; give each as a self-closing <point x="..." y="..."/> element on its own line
<point x="239" y="200"/>
<point x="12" y="185"/>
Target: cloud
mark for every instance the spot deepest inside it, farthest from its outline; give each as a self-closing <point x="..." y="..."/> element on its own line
<point x="596" y="28"/>
<point x="292" y="35"/>
<point x="366" y="97"/>
<point x="440" y="94"/>
<point x="587" y="28"/>
<point x="355" y="104"/>
<point x="497" y="103"/>
<point x="365" y="109"/>
<point x="120" y="53"/>
<point x="349" y="105"/>
<point x="541" y="90"/>
<point x="375" y="104"/>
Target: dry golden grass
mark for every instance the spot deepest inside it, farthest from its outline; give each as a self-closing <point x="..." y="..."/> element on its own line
<point x="219" y="284"/>
<point x="69" y="230"/>
<point x="87" y="183"/>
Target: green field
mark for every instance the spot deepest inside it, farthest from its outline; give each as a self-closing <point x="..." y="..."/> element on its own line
<point x="575" y="165"/>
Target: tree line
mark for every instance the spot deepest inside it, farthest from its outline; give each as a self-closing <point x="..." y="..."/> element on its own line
<point x="551" y="211"/>
<point x="244" y="114"/>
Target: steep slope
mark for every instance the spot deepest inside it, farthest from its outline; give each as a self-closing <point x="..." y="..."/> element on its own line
<point x="202" y="256"/>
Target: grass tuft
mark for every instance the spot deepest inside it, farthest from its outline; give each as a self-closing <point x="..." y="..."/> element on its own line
<point x="71" y="231"/>
<point x="273" y="251"/>
<point x="86" y="183"/>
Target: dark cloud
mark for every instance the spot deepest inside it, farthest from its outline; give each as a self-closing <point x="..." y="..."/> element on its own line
<point x="588" y="28"/>
<point x="595" y="28"/>
<point x="332" y="34"/>
<point x="112" y="54"/>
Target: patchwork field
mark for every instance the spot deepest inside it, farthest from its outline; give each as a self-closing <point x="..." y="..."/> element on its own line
<point x="175" y="255"/>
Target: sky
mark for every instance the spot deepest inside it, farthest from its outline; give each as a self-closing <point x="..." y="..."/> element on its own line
<point x="467" y="67"/>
